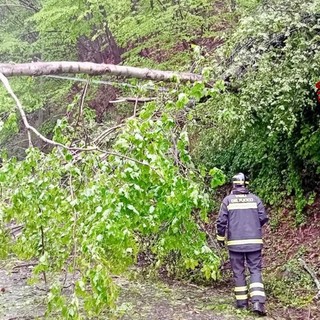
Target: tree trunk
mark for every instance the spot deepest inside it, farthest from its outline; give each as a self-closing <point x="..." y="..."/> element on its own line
<point x="59" y="67"/>
<point x="114" y="49"/>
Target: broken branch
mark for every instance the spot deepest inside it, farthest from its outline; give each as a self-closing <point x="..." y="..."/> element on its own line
<point x="83" y="95"/>
<point x="134" y="100"/>
<point x="313" y="276"/>
<point x="52" y="142"/>
<point x="106" y="132"/>
<point x="24" y="117"/>
<point x="59" y="67"/>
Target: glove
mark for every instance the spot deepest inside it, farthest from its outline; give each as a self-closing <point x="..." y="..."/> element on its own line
<point x="221" y="243"/>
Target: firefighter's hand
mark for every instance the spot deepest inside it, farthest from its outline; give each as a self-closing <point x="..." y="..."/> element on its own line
<point x="221" y="243"/>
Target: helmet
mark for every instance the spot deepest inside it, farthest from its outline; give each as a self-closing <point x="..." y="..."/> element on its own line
<point x="239" y="180"/>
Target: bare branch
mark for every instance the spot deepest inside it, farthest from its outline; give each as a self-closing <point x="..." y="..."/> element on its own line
<point x="83" y="95"/>
<point x="313" y="276"/>
<point x="43" y="249"/>
<point x="137" y="100"/>
<point x="111" y="153"/>
<point x="54" y="143"/>
<point x="135" y="107"/>
<point x="31" y="128"/>
<point x="103" y="82"/>
<point x="58" y="67"/>
<point x="74" y="228"/>
<point x="134" y="100"/>
<point x="106" y="132"/>
<point x="20" y="108"/>
<point x="31" y="264"/>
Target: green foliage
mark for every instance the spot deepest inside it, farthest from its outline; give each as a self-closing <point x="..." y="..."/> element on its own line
<point x="151" y="32"/>
<point x="94" y="227"/>
<point x="34" y="94"/>
<point x="162" y="27"/>
<point x="91" y="214"/>
<point x="266" y="122"/>
<point x="218" y="177"/>
<point x="16" y="34"/>
<point x="291" y="285"/>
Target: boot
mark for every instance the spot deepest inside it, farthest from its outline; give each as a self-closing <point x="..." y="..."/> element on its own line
<point x="243" y="306"/>
<point x="258" y="308"/>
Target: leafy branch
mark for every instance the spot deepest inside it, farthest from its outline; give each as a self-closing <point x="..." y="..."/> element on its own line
<point x="52" y="142"/>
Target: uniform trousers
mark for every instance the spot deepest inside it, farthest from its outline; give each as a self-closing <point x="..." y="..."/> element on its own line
<point x="253" y="260"/>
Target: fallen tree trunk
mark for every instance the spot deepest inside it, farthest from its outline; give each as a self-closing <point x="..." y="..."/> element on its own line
<point x="60" y="67"/>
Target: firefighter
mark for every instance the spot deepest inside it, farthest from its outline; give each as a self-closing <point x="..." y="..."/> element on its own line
<point x="239" y="225"/>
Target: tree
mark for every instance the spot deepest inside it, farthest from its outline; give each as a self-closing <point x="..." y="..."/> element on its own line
<point x="269" y="123"/>
<point x="145" y="195"/>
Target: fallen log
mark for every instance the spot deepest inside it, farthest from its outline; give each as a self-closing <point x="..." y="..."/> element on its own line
<point x="71" y="67"/>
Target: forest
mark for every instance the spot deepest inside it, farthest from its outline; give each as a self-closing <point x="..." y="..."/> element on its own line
<point x="121" y="125"/>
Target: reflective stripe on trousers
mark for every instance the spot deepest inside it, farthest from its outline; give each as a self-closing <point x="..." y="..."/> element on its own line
<point x="241" y="294"/>
<point x="253" y="259"/>
<point x="257" y="291"/>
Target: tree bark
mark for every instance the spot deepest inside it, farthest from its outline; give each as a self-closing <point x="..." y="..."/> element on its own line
<point x="113" y="49"/>
<point x="60" y="67"/>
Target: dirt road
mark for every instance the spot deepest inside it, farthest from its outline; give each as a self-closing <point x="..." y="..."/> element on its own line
<point x="139" y="299"/>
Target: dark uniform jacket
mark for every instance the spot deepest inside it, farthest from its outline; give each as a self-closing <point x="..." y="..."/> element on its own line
<point x="241" y="215"/>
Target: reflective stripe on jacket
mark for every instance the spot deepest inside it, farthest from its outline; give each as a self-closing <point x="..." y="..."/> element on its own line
<point x="241" y="215"/>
